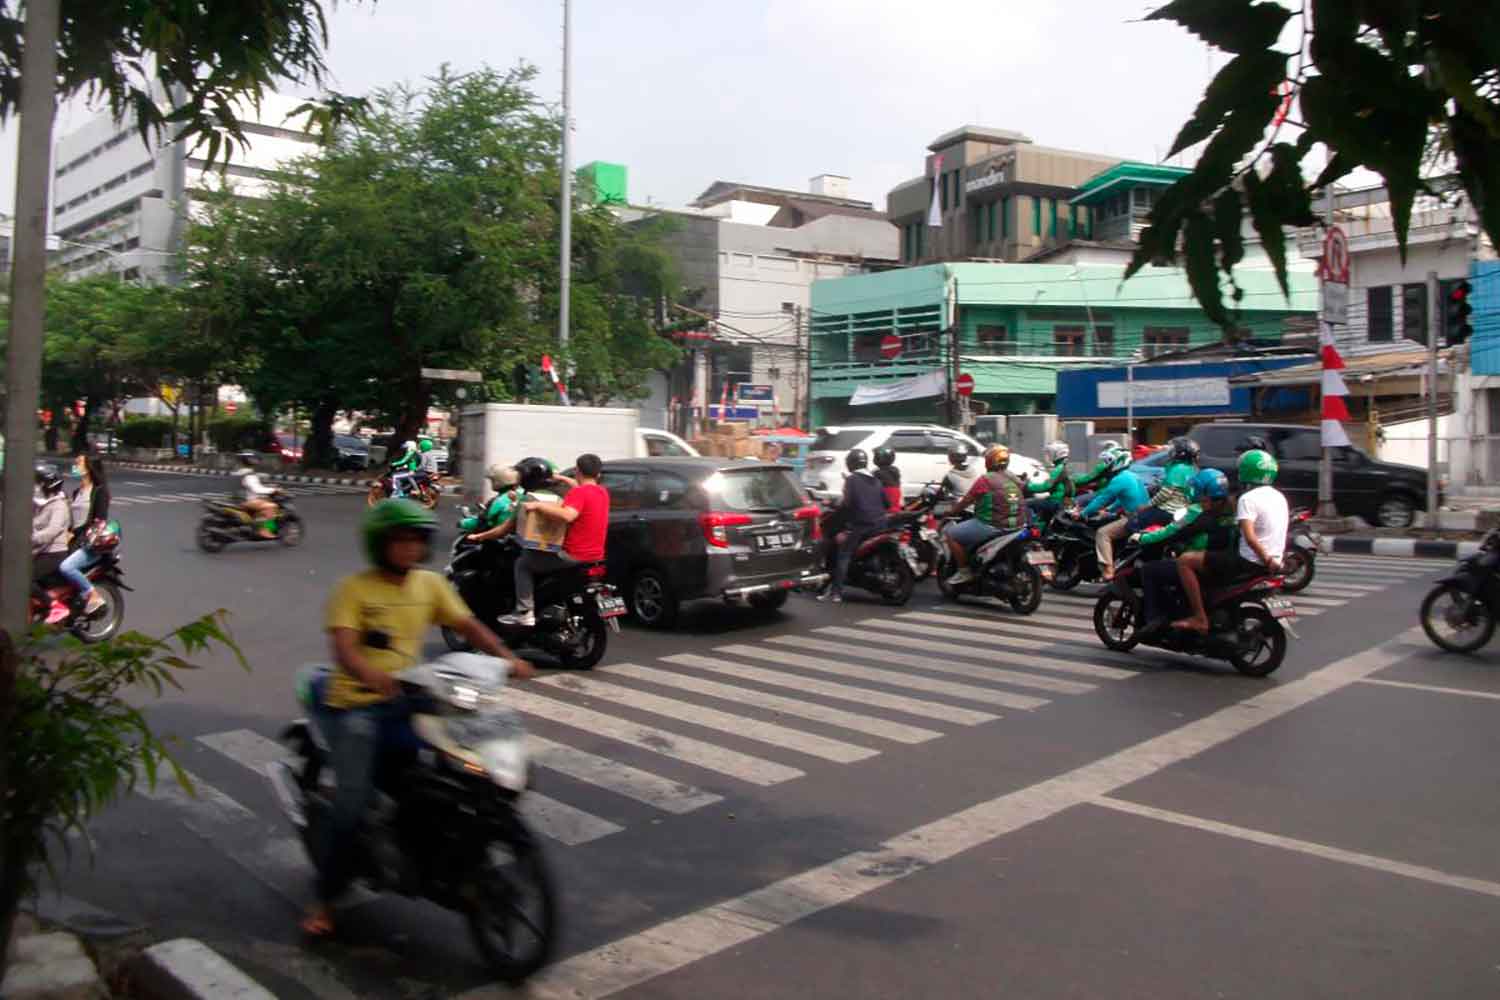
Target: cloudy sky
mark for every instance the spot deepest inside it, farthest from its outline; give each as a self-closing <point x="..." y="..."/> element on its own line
<point x="775" y="91"/>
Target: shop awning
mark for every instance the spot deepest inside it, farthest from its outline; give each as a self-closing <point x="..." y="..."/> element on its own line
<point x="1384" y="365"/>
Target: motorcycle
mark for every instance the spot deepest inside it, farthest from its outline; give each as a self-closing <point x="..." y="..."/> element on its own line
<point x="424" y="491"/>
<point x="926" y="534"/>
<point x="60" y="606"/>
<point x="1070" y="539"/>
<point x="1248" y="622"/>
<point x="1459" y="613"/>
<point x="225" y="522"/>
<point x="1012" y="566"/>
<point x="1299" y="562"/>
<point x="885" y="564"/>
<point x="445" y="826"/>
<point x="576" y="608"/>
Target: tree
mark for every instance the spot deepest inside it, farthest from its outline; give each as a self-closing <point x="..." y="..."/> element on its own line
<point x="1379" y="84"/>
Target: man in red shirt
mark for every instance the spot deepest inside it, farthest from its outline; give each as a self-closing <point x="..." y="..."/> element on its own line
<point x="586" y="511"/>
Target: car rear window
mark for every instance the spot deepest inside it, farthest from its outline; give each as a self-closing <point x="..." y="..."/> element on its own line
<point x="753" y="489"/>
<point x="839" y="440"/>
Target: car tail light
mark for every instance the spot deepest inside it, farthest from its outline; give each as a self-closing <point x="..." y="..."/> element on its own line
<point x="812" y="514"/>
<point x="714" y="525"/>
<point x="596" y="572"/>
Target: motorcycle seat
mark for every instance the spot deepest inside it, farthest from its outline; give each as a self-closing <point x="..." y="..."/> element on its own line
<point x="1234" y="589"/>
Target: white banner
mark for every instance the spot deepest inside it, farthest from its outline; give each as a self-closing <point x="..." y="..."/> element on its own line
<point x="931" y="384"/>
<point x="934" y="213"/>
<point x="1165" y="392"/>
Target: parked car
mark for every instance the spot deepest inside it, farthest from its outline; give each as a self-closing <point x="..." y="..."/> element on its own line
<point x="681" y="529"/>
<point x="921" y="455"/>
<point x="1383" y="493"/>
<point x="351" y="453"/>
<point x="663" y="444"/>
<point x="288" y="447"/>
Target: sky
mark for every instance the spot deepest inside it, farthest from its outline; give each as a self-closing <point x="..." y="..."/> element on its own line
<point x="773" y="92"/>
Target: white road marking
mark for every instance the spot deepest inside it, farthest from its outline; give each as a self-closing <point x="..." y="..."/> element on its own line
<point x="1435" y="688"/>
<point x="1348" y="592"/>
<point x="1324" y="851"/>
<point x="838" y="668"/>
<point x="562" y="822"/>
<point x="1020" y="636"/>
<point x="860" y="695"/>
<point x="247" y="748"/>
<point x="708" y="756"/>
<point x="950" y="649"/>
<point x="679" y="942"/>
<point x="711" y="718"/>
<point x="870" y="725"/>
<point x="1048" y="663"/>
<point x="983" y="669"/>
<point x="622" y="779"/>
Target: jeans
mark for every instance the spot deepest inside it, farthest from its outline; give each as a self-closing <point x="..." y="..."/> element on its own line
<point x="72" y="570"/>
<point x="402" y="483"/>
<point x="972" y="533"/>
<point x="357" y="738"/>
<point x="529" y="566"/>
<point x="856" y="536"/>
<point x="1161" y="597"/>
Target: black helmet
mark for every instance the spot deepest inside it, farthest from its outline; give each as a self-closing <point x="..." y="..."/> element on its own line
<point x="534" y="473"/>
<point x="884" y="457"/>
<point x="958" y="458"/>
<point x="48" y="478"/>
<point x="1253" y="443"/>
<point x="249" y="458"/>
<point x="1183" y="449"/>
<point x="856" y="460"/>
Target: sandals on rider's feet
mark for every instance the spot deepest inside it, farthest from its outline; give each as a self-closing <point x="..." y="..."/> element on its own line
<point x="317" y="925"/>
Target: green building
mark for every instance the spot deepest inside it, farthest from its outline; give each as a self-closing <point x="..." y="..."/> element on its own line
<point x="1014" y="326"/>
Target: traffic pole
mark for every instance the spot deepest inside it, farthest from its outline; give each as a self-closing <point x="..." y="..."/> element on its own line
<point x="1434" y="321"/>
<point x="565" y="276"/>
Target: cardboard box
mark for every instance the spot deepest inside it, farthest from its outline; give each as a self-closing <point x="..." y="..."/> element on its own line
<point x="745" y="448"/>
<point x="731" y="429"/>
<point x="540" y="532"/>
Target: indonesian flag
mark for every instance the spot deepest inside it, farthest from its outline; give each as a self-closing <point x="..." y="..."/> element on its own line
<point x="557" y="383"/>
<point x="935" y="211"/>
<point x="1335" y="409"/>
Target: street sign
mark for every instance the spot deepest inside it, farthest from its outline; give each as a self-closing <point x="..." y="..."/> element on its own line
<point x="451" y="375"/>
<point x="964" y="384"/>
<point x="1335" y="303"/>
<point x="1334" y="270"/>
<point x="890" y="346"/>
<point x="749" y="392"/>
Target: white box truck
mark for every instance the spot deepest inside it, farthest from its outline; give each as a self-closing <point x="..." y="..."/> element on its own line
<point x="505" y="433"/>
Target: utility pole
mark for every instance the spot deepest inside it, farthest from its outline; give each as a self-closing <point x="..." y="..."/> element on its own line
<point x="954" y="406"/>
<point x="566" y="264"/>
<point x="1326" y="507"/>
<point x="1434" y="322"/>
<point x="804" y="369"/>
<point x="28" y="303"/>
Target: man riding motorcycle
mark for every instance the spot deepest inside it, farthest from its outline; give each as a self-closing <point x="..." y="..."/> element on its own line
<point x="585" y="511"/>
<point x="1123" y="494"/>
<point x="961" y="473"/>
<point x="1201" y="527"/>
<point x="1262" y="518"/>
<point x="376" y="620"/>
<point x="255" y="496"/>
<point x="1056" y="491"/>
<point x="889" y="476"/>
<point x="862" y="514"/>
<point x="404" y="469"/>
<point x="1103" y="469"/>
<point x="999" y="506"/>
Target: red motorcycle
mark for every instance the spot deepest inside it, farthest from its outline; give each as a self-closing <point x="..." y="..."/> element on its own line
<point x="61" y="608"/>
<point x="885" y="564"/>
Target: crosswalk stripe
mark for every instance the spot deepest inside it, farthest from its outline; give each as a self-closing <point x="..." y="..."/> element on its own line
<point x="1318" y="602"/>
<point x="1063" y="666"/>
<point x="898" y="731"/>
<point x="983" y="672"/>
<point x="622" y="779"/>
<point x="1083" y="620"/>
<point x="562" y="822"/>
<point x="708" y="756"/>
<point x="955" y="649"/>
<point x="867" y="696"/>
<point x="710" y="718"/>
<point x="1345" y="591"/>
<point x="247" y="748"/>
<point x="916" y="682"/>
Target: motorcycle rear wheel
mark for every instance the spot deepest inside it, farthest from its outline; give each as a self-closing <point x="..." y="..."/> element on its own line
<point x="106" y="623"/>
<point x="1068" y="573"/>
<point x="593" y="640"/>
<point x="1297" y="569"/>
<point x="498" y="915"/>
<point x="1438" y="616"/>
<point x="428" y="497"/>
<point x="1115" y="621"/>
<point x="900" y="582"/>
<point x="1027" y="590"/>
<point x="291" y="532"/>
<point x="1269" y="639"/>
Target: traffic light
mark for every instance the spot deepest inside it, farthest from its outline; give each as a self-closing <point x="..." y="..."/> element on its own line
<point x="1457" y="310"/>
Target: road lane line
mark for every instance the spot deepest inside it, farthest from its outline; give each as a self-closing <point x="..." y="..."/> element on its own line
<point x="870" y="725"/>
<point x="1063" y="666"/>
<point x="935" y="646"/>
<point x="1020" y="636"/>
<point x="675" y="943"/>
<point x="1434" y="688"/>
<point x="1388" y="865"/>
<point x="708" y="756"/>
<point x="247" y="748"/>
<point x="844" y="669"/>
<point x="622" y="779"/>
<point x="711" y="718"/>
<point x="860" y="695"/>
<point x="562" y="822"/>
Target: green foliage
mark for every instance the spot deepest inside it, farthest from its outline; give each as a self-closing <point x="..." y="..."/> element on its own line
<point x="76" y="740"/>
<point x="1379" y="85"/>
<point x="237" y="432"/>
<point x="144" y="432"/>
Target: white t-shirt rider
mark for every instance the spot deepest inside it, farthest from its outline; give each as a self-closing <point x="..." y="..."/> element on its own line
<point x="1266" y="509"/>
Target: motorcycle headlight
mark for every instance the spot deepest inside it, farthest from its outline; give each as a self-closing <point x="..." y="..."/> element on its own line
<point x="505" y="760"/>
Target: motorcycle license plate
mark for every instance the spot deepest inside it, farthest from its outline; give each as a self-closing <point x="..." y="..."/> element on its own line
<point x="1040" y="557"/>
<point x="1280" y="607"/>
<point x="610" y="607"/>
<point x="770" y="543"/>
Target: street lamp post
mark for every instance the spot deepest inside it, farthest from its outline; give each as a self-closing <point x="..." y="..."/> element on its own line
<point x="566" y="264"/>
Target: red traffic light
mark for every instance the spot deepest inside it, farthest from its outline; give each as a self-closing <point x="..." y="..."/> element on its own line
<point x="1460" y="292"/>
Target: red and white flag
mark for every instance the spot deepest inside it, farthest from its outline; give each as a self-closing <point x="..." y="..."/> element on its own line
<point x="557" y="382"/>
<point x="1335" y="409"/>
<point x="935" y="211"/>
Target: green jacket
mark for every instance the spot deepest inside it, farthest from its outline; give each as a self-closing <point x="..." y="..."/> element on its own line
<point x="1202" y="529"/>
<point x="1058" y="486"/>
<point x="501" y="509"/>
<point x="1093" y="475"/>
<point x="410" y="461"/>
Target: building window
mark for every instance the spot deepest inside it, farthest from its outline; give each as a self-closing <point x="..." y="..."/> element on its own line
<point x="993" y="339"/>
<point x="1052" y="218"/>
<point x="1378" y="311"/>
<point x="1104" y="341"/>
<point x="1068" y="341"/>
<point x="943" y="191"/>
<point x="958" y="189"/>
<point x="990" y="211"/>
<point x="1414" y="312"/>
<point x="1005" y="217"/>
<point x="1164" y="339"/>
<point x="1036" y="216"/>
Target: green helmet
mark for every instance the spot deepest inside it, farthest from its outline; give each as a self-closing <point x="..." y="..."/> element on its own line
<point x="1257" y="468"/>
<point x="425" y="444"/>
<point x="391" y="515"/>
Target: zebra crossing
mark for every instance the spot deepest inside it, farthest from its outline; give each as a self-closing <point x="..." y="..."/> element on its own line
<point x="644" y="739"/>
<point x="156" y="498"/>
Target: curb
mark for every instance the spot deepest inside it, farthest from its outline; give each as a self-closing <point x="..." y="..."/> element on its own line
<point x="184" y="470"/>
<point x="186" y="969"/>
<point x="1406" y="547"/>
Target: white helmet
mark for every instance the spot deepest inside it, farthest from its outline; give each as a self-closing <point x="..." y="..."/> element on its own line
<point x="409" y="446"/>
<point x="1057" y="451"/>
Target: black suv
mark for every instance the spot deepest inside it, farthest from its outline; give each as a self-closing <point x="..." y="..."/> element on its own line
<point x="685" y="528"/>
<point x="1383" y="493"/>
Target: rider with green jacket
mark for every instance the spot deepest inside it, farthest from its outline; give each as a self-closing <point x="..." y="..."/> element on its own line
<point x="1101" y="472"/>
<point x="1206" y="523"/>
<point x="1056" y="491"/>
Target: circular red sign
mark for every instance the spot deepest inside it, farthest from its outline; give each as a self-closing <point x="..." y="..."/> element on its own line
<point x="964" y="384"/>
<point x="890" y="346"/>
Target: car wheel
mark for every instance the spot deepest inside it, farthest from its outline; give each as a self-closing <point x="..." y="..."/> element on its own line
<point x="1396" y="510"/>
<point x="652" y="599"/>
<point x="769" y="600"/>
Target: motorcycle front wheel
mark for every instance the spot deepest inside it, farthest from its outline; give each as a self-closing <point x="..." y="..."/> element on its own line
<point x="291" y="532"/>
<point x="1115" y="621"/>
<point x="1447" y="625"/>
<point x="1026" y="590"/>
<point x="1297" y="569"/>
<point x="512" y="910"/>
<point x="1069" y="570"/>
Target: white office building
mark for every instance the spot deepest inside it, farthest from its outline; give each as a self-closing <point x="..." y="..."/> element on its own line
<point x="122" y="204"/>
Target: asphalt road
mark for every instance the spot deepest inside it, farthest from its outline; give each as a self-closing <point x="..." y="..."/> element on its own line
<point x="928" y="802"/>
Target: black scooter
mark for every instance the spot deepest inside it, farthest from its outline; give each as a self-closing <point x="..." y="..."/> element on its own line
<point x="1459" y="613"/>
<point x="576" y="608"/>
<point x="225" y="522"/>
